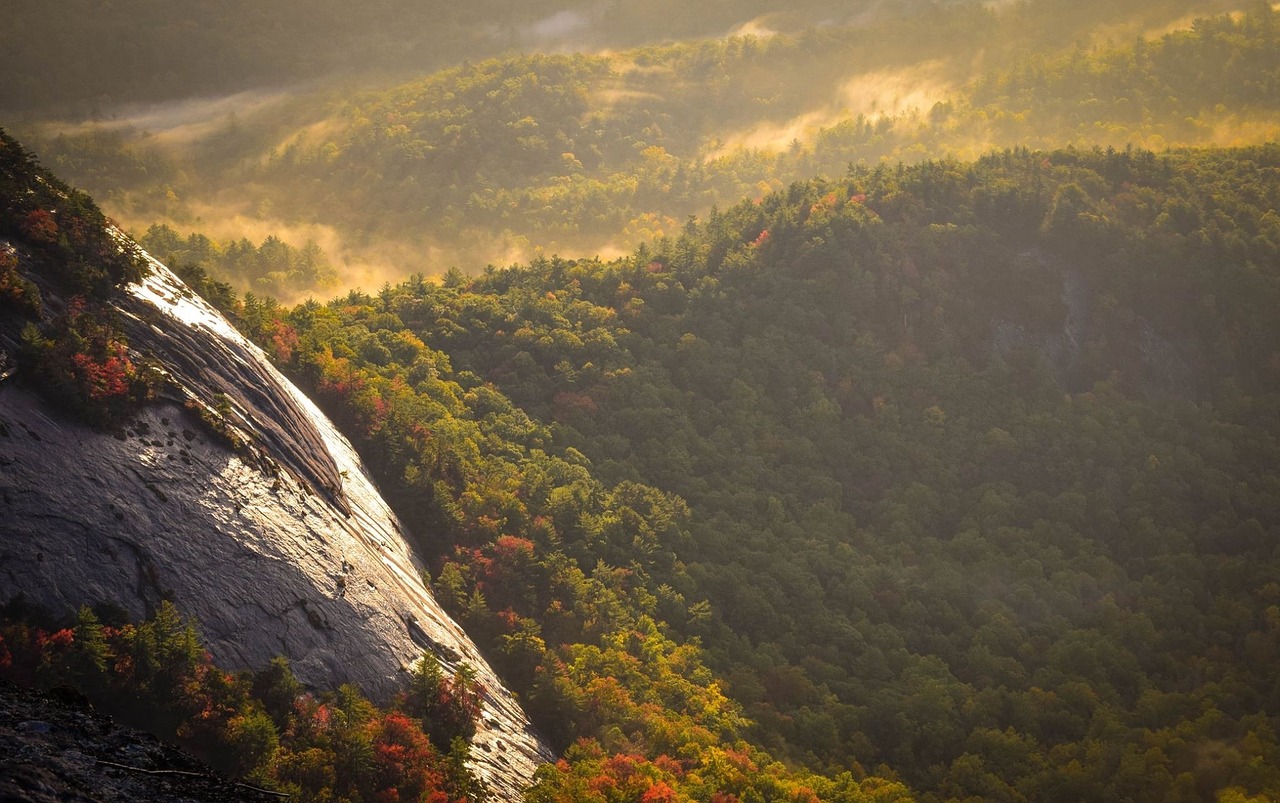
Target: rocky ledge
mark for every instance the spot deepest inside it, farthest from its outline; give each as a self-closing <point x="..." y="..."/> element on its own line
<point x="286" y="550"/>
<point x="54" y="748"/>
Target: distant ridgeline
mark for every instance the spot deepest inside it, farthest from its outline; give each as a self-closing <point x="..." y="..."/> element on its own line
<point x="589" y="153"/>
<point x="967" y="472"/>
<point x="579" y="152"/>
<point x="133" y="51"/>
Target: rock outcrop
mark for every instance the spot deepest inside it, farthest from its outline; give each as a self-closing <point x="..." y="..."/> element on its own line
<point x="282" y="548"/>
<point x="55" y="748"/>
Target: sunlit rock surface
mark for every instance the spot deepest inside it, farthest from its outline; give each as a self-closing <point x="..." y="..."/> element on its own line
<point x="290" y="551"/>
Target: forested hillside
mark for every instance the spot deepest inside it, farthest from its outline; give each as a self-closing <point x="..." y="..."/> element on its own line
<point x="962" y="473"/>
<point x="592" y="153"/>
<point x="558" y="148"/>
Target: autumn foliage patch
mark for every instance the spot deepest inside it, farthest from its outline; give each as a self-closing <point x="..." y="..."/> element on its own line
<point x="82" y="363"/>
<point x="261" y="726"/>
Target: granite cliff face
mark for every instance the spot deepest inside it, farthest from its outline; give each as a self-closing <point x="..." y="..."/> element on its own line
<point x="284" y="547"/>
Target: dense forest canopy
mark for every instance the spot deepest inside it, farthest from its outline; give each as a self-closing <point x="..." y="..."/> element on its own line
<point x="964" y="472"/>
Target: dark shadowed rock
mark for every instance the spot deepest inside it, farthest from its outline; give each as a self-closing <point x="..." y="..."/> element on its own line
<point x="81" y="756"/>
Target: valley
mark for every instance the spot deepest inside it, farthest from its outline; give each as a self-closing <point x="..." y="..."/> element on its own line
<point x="848" y="403"/>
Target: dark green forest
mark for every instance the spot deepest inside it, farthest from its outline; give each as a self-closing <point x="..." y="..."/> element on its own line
<point x="962" y="474"/>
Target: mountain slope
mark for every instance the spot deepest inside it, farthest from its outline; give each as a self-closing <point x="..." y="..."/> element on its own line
<point x="976" y="467"/>
<point x="232" y="496"/>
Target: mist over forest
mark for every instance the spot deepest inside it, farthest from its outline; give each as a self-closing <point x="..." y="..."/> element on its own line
<point x="841" y="401"/>
<point x="597" y="128"/>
